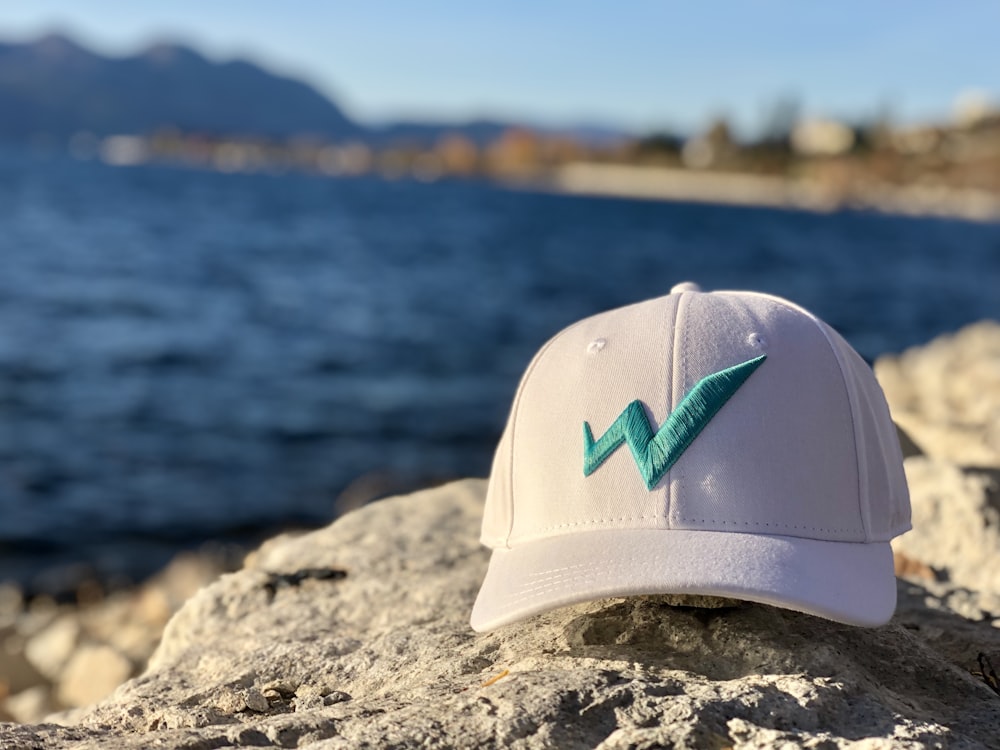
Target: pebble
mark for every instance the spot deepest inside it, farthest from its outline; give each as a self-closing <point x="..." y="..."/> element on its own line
<point x="50" y="649"/>
<point x="308" y="698"/>
<point x="30" y="705"/>
<point x="244" y="699"/>
<point x="256" y="701"/>
<point x="92" y="673"/>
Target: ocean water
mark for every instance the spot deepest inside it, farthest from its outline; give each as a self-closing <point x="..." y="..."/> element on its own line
<point x="188" y="355"/>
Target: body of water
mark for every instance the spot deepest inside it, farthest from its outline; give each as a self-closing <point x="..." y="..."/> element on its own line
<point x="188" y="355"/>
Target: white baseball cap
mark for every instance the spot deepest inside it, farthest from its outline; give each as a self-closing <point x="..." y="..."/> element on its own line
<point x="724" y="443"/>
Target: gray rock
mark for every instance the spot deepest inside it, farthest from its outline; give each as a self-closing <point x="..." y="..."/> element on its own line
<point x="956" y="525"/>
<point x="357" y="636"/>
<point x="945" y="395"/>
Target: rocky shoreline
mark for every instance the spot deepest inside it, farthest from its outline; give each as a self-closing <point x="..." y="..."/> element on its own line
<point x="773" y="191"/>
<point x="57" y="656"/>
<point x="356" y="635"/>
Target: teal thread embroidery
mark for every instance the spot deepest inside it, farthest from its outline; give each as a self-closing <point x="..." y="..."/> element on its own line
<point x="655" y="454"/>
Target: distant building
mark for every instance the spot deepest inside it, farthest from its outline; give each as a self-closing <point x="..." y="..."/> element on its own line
<point x="822" y="138"/>
<point x="458" y="154"/>
<point x="351" y="158"/>
<point x="974" y="107"/>
<point x="517" y="150"/>
<point x="124" y="150"/>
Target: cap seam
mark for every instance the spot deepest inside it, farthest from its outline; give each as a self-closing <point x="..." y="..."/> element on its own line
<point x="596" y="521"/>
<point x="761" y="524"/>
<point x="584" y="574"/>
<point x="764" y="523"/>
<point x="864" y="502"/>
<point x="678" y="364"/>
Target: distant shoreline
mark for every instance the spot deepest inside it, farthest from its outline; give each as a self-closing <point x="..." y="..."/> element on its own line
<point x="741" y="189"/>
<point x="799" y="187"/>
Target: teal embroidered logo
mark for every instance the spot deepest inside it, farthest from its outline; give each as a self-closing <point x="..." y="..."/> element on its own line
<point x="654" y="454"/>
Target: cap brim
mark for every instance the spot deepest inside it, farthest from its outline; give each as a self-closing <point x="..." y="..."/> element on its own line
<point x="853" y="583"/>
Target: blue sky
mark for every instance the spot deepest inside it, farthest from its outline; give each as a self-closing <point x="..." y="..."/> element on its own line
<point x="635" y="64"/>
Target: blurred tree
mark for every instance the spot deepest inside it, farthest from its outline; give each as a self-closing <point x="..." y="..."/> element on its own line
<point x="719" y="136"/>
<point x="778" y="121"/>
<point x="659" y="143"/>
<point x="875" y="134"/>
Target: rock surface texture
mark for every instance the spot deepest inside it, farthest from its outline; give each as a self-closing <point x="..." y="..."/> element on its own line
<point x="357" y="636"/>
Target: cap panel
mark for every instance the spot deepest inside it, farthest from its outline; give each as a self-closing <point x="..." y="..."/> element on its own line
<point x="884" y="493"/>
<point x="498" y="512"/>
<point x="780" y="457"/>
<point x="589" y="373"/>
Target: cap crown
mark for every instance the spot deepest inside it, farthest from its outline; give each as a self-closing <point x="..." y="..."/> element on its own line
<point x="803" y="447"/>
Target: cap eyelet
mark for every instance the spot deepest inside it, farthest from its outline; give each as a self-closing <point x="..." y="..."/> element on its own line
<point x="755" y="339"/>
<point x="596" y="345"/>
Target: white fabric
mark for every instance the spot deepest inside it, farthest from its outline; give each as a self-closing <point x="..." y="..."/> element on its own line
<point x="828" y="579"/>
<point x="804" y="450"/>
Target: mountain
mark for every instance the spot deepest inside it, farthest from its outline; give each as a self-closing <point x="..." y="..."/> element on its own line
<point x="55" y="87"/>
